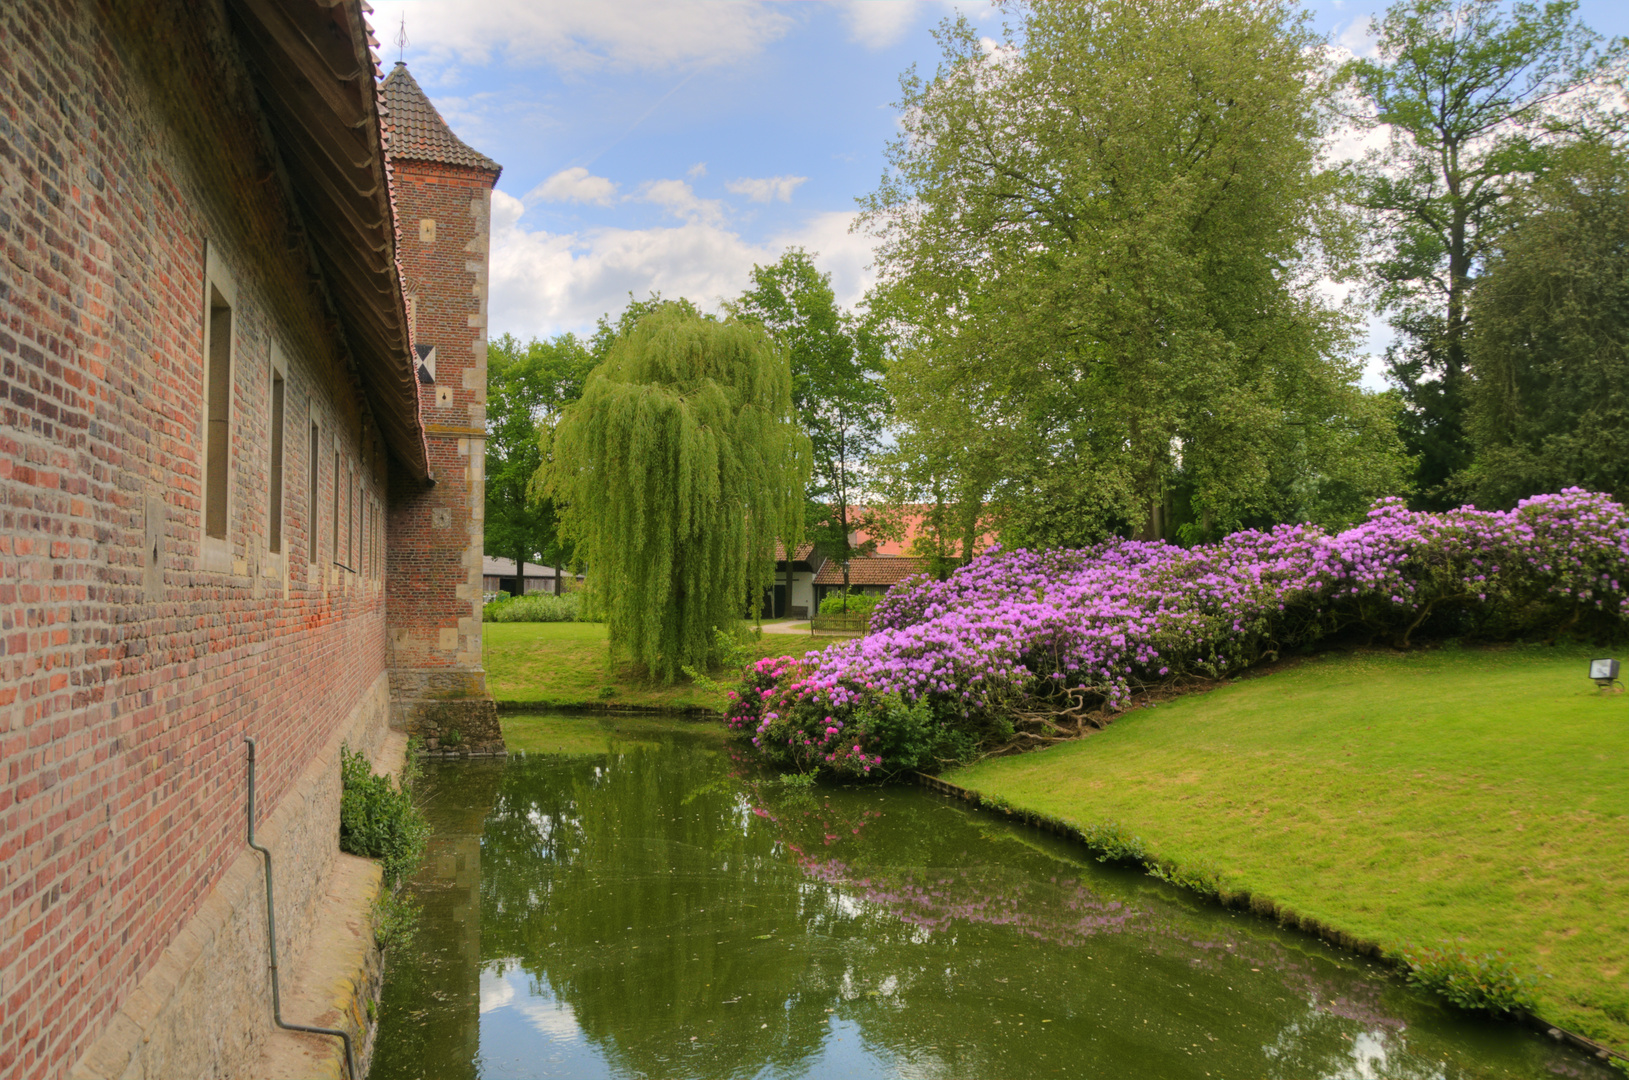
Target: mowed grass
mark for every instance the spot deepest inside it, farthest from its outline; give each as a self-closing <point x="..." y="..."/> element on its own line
<point x="579" y="735"/>
<point x="1470" y="796"/>
<point x="564" y="665"/>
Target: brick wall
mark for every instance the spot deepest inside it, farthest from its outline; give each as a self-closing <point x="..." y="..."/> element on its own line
<point x="436" y="533"/>
<point x="130" y="151"/>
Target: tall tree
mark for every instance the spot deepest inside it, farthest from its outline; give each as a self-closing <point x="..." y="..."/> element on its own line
<point x="1105" y="232"/>
<point x="527" y="386"/>
<point x="1469" y="90"/>
<point x="677" y="470"/>
<point x="837" y="392"/>
<point x="1550" y="339"/>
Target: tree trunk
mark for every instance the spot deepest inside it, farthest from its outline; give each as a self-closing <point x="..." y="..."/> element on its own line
<point x="970" y="528"/>
<point x="848" y="541"/>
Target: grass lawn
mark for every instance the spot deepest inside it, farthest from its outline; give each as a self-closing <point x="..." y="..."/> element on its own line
<point x="1475" y="796"/>
<point x="590" y="735"/>
<point x="563" y="664"/>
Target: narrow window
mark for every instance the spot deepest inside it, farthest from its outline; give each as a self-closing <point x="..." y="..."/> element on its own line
<point x="315" y="460"/>
<point x="217" y="434"/>
<point x="350" y="518"/>
<point x="337" y="497"/>
<point x="274" y="524"/>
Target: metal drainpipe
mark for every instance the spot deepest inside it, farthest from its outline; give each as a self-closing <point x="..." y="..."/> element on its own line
<point x="271" y="932"/>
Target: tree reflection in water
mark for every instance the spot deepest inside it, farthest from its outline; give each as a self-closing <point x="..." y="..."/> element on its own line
<point x="666" y="911"/>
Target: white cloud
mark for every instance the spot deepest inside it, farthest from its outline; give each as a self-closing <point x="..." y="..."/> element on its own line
<point x="766" y="189"/>
<point x="1359" y="36"/>
<point x="877" y="24"/>
<point x="680" y="199"/>
<point x="622" y="34"/>
<point x="576" y="185"/>
<point x="496" y="992"/>
<point x="546" y="283"/>
<point x="697" y="171"/>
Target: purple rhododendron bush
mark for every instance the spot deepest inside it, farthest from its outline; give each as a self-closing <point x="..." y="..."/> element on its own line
<point x="1038" y="644"/>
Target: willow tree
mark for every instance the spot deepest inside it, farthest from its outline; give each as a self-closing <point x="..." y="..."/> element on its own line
<point x="679" y="469"/>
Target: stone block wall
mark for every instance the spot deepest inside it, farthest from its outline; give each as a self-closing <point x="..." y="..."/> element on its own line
<point x="135" y="652"/>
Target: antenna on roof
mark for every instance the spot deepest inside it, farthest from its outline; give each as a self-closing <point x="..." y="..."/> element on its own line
<point x="401" y="41"/>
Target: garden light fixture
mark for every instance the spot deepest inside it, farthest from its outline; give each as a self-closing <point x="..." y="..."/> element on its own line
<point x="1604" y="672"/>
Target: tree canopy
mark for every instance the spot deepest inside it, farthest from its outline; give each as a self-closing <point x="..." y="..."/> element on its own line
<point x="1473" y="92"/>
<point x="678" y="470"/>
<point x="1103" y="235"/>
<point x="1550" y="345"/>
<point x="837" y="393"/>
<point x="527" y="386"/>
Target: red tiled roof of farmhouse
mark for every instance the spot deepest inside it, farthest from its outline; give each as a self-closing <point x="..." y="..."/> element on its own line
<point x="417" y="131"/>
<point x="878" y="570"/>
<point x="801" y="555"/>
<point x="912" y="522"/>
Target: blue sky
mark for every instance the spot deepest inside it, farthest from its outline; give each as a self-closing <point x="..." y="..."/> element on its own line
<point x="671" y="145"/>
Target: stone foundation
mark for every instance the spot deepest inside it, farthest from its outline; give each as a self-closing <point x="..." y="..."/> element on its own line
<point x="435" y="704"/>
<point x="204" y="1009"/>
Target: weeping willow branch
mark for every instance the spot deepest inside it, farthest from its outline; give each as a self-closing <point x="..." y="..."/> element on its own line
<point x="679" y="469"/>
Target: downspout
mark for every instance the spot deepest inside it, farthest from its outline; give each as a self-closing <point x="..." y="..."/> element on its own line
<point x="271" y="932"/>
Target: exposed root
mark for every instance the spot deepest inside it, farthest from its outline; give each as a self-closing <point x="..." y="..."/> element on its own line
<point x="1077" y="717"/>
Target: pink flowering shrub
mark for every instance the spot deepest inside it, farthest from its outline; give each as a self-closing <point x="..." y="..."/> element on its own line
<point x="1015" y="630"/>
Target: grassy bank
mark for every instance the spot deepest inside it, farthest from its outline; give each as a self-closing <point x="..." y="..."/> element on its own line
<point x="1472" y="797"/>
<point x="563" y="665"/>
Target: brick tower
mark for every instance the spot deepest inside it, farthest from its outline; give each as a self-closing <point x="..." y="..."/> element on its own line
<point x="443" y="192"/>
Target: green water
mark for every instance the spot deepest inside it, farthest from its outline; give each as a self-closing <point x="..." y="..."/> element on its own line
<point x="663" y="909"/>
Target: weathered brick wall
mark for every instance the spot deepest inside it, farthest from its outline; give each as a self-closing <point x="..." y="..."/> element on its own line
<point x="128" y="144"/>
<point x="436" y="533"/>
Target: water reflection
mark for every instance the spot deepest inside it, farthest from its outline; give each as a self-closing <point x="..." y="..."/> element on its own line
<point x="665" y="911"/>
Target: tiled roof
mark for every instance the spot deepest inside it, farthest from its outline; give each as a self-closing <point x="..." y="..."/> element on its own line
<point x="496" y="567"/>
<point x="417" y="131"/>
<point x="877" y="570"/>
<point x="800" y="555"/>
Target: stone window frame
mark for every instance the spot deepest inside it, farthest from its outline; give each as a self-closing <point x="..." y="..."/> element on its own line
<point x="215" y="552"/>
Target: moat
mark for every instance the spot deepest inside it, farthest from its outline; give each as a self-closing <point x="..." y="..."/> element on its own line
<point x="651" y="905"/>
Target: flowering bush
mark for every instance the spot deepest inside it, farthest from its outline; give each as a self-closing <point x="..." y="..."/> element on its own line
<point x="879" y="735"/>
<point x="1022" y="630"/>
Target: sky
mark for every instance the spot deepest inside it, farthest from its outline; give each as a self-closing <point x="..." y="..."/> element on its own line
<point x="670" y="145"/>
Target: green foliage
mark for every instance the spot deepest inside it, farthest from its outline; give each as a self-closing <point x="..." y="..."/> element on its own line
<point x="1470" y="90"/>
<point x="1550" y="344"/>
<point x="679" y="469"/>
<point x="837" y="392"/>
<point x="1204" y="879"/>
<point x="908" y="737"/>
<point x="731" y="652"/>
<point x="858" y="603"/>
<point x="452" y="737"/>
<point x="535" y="607"/>
<point x="395" y="920"/>
<point x="527" y="386"/>
<point x="1100" y="267"/>
<point x="797" y="780"/>
<point x="379" y="820"/>
<point x="1484" y="983"/>
<point x="1112" y="842"/>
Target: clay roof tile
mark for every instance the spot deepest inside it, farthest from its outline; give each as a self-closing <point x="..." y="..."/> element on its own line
<point x="417" y="131"/>
<point x="876" y="570"/>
